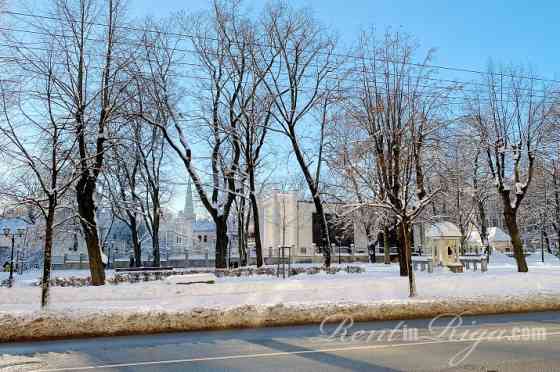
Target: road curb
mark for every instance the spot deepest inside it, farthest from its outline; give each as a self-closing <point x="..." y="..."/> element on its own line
<point x="46" y="325"/>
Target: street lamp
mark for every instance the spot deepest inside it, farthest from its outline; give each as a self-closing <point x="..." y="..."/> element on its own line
<point x="12" y="235"/>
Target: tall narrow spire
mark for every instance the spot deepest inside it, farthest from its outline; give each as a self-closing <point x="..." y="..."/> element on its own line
<point x="188" y="211"/>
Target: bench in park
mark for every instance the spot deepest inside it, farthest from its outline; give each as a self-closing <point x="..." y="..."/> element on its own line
<point x="145" y="273"/>
<point x="424" y="263"/>
<point x="455" y="267"/>
<point x="474" y="261"/>
<point x="187" y="279"/>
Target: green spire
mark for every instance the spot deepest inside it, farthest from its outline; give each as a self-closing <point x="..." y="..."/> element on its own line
<point x="188" y="211"/>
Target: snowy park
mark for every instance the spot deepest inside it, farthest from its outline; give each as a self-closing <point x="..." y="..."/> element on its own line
<point x="378" y="292"/>
<point x="378" y="283"/>
<point x="239" y="166"/>
<point x="212" y="168"/>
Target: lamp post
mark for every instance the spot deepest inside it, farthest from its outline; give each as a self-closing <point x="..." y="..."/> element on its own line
<point x="12" y="235"/>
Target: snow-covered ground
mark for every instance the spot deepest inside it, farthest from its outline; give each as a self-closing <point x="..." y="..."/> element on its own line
<point x="379" y="282"/>
<point x="379" y="286"/>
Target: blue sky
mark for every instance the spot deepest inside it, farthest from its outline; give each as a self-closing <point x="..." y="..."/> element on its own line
<point x="465" y="33"/>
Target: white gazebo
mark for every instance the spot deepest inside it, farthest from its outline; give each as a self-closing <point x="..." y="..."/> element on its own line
<point x="499" y="240"/>
<point x="443" y="239"/>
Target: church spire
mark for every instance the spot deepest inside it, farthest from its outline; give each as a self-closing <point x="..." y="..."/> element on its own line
<point x="188" y="210"/>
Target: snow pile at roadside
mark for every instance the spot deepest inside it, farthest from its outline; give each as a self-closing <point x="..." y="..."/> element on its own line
<point x="19" y="363"/>
<point x="50" y="325"/>
<point x="256" y="301"/>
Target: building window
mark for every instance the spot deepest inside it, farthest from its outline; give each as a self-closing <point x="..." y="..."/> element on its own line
<point x="205" y="238"/>
<point x="200" y="238"/>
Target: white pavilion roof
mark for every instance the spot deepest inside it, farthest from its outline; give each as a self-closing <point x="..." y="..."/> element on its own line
<point x="443" y="230"/>
<point x="495" y="234"/>
<point x="474" y="236"/>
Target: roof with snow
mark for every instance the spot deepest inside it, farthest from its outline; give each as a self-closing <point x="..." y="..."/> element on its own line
<point x="203" y="226"/>
<point x="474" y="236"/>
<point x="443" y="230"/>
<point x="495" y="234"/>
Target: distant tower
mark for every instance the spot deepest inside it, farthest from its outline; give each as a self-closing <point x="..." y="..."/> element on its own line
<point x="188" y="210"/>
<point x="184" y="230"/>
<point x="190" y="218"/>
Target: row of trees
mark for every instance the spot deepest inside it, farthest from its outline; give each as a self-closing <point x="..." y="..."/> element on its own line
<point x="98" y="110"/>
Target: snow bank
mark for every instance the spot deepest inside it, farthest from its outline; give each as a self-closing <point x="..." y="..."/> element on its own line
<point x="49" y="325"/>
<point x="235" y="302"/>
<point x="20" y="363"/>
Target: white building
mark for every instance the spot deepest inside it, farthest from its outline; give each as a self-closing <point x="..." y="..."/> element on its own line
<point x="287" y="221"/>
<point x="442" y="243"/>
<point x="180" y="233"/>
<point x="499" y="240"/>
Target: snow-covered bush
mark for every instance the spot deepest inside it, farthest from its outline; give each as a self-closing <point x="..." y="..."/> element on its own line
<point x="148" y="276"/>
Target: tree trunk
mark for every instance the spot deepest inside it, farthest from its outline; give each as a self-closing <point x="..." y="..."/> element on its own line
<point x="242" y="234"/>
<point x="547" y="241"/>
<point x="156" y="253"/>
<point x="402" y="251"/>
<point x="325" y="230"/>
<point x="136" y="246"/>
<point x="483" y="228"/>
<point x="556" y="180"/>
<point x="513" y="229"/>
<point x="155" y="247"/>
<point x="386" y="246"/>
<point x="85" y="190"/>
<point x="405" y="226"/>
<point x="47" y="254"/>
<point x="481" y="208"/>
<point x="222" y="241"/>
<point x="256" y="222"/>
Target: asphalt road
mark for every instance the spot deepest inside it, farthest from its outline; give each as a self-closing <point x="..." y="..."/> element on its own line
<point x="517" y="342"/>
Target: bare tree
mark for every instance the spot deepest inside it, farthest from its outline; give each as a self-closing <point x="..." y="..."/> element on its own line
<point x="151" y="147"/>
<point x="243" y="215"/>
<point x="301" y="82"/>
<point x="41" y="148"/>
<point x="511" y="115"/>
<point x="125" y="185"/>
<point x="397" y="110"/>
<point x="254" y="128"/>
<point x="222" y="41"/>
<point x="355" y="183"/>
<point x="459" y="189"/>
<point x="89" y="86"/>
<point x="480" y="196"/>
